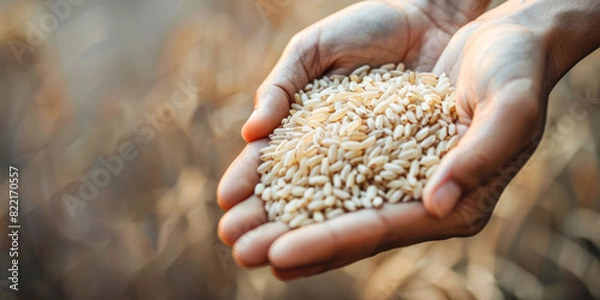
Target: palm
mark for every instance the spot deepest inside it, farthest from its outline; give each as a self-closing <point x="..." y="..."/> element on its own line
<point x="377" y="33"/>
<point x="368" y="33"/>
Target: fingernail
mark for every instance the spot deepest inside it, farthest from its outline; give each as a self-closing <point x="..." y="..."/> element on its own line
<point x="446" y="197"/>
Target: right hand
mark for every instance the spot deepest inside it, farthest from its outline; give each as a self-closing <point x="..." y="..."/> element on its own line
<point x="374" y="33"/>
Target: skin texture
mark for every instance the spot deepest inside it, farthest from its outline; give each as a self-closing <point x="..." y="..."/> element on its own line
<point x="503" y="65"/>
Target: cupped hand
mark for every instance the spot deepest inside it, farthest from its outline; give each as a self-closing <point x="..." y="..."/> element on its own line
<point x="372" y="33"/>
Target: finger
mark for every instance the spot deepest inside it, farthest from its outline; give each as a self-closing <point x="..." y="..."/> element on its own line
<point x="287" y="275"/>
<point x="358" y="235"/>
<point x="290" y="274"/>
<point x="498" y="131"/>
<point x="319" y="243"/>
<point x="252" y="248"/>
<point x="241" y="177"/>
<point x="309" y="252"/>
<point x="242" y="218"/>
<point x="299" y="63"/>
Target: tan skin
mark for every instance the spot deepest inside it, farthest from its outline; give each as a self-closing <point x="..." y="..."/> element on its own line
<point x="503" y="65"/>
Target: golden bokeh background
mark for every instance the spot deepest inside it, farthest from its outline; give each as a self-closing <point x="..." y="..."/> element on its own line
<point x="168" y="85"/>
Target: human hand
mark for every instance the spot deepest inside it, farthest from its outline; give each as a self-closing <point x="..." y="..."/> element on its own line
<point x="504" y="65"/>
<point x="361" y="234"/>
<point x="375" y="32"/>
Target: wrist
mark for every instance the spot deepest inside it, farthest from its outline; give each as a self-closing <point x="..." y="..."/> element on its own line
<point x="568" y="31"/>
<point x="573" y="34"/>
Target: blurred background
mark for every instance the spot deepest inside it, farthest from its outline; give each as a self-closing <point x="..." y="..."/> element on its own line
<point x="123" y="115"/>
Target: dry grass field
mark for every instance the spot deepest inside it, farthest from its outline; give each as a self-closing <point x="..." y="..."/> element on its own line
<point x="164" y="87"/>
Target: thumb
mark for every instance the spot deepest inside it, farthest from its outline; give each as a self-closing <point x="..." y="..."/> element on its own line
<point x="299" y="63"/>
<point x="501" y="126"/>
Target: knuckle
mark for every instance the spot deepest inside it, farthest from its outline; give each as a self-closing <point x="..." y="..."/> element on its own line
<point x="476" y="169"/>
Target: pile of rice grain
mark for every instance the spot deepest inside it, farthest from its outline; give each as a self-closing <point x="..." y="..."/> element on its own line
<point x="353" y="142"/>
